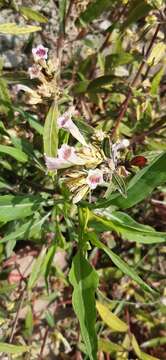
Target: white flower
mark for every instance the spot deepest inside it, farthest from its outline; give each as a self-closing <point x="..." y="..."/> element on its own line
<point x="22" y="87"/>
<point x="40" y="52"/>
<point x="34" y="71"/>
<point x="65" y="122"/>
<point x="94" y="178"/>
<point x="119" y="146"/>
<point x="66" y="158"/>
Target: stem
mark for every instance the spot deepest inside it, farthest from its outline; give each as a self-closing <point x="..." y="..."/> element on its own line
<point x="21" y="299"/>
<point x="124" y="105"/>
<point x="43" y="344"/>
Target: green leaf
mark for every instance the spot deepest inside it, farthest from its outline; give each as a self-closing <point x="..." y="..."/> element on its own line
<point x="36" y="271"/>
<point x="100" y="81"/>
<point x="50" y="136"/>
<point x="140" y="186"/>
<point x="33" y="122"/>
<point x="13" y="349"/>
<point x="155" y="342"/>
<point x="141" y="355"/>
<point x="5" y="105"/>
<point x="94" y="10"/>
<point x="109" y="347"/>
<point x="119" y="183"/>
<point x="156" y="54"/>
<point x="110" y="319"/>
<point x="114" y="60"/>
<point x="14" y="29"/>
<point x="127" y="227"/>
<point x="4" y="184"/>
<point x="156" y="81"/>
<point x="62" y="13"/>
<point x="121" y="264"/>
<point x="26" y="230"/>
<point x="85" y="281"/>
<point x="80" y="87"/>
<point x="15" y="153"/>
<point x="29" y="324"/>
<point x="137" y="10"/>
<point x="32" y="14"/>
<point x="17" y="207"/>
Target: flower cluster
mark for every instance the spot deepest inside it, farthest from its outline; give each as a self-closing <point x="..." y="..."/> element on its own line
<point x="89" y="166"/>
<point x="45" y="71"/>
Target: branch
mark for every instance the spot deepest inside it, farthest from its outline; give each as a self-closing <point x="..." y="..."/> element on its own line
<point x="124" y="105"/>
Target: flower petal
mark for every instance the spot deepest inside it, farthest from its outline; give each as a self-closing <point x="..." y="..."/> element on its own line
<point x="56" y="163"/>
<point x="94" y="178"/>
<point x="80" y="194"/>
<point x="40" y="52"/>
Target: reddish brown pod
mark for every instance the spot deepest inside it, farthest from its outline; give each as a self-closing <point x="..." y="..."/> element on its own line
<point x="139" y="161"/>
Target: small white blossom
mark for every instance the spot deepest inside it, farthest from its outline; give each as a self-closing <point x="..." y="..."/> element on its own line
<point x="119" y="146"/>
<point x="40" y="53"/>
<point x="94" y="178"/>
<point x="34" y="71"/>
<point x="22" y="87"/>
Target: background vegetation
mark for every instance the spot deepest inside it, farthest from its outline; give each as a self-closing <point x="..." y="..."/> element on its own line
<point x="108" y="59"/>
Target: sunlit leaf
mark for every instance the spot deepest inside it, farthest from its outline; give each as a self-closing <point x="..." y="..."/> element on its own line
<point x="110" y="319"/>
<point x="33" y="14"/>
<point x="109" y="347"/>
<point x="50" y="136"/>
<point x="11" y="28"/>
<point x="127" y="227"/>
<point x="13" y="349"/>
<point x="141" y="355"/>
<point x="15" y="153"/>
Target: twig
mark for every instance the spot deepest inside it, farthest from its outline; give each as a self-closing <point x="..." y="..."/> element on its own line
<point x="124" y="105"/>
<point x="43" y="344"/>
<point x="21" y="300"/>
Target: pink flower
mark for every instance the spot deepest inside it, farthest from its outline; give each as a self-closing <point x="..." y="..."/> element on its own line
<point x="65" y="122"/>
<point x="94" y="178"/>
<point x="34" y="71"/>
<point x="40" y="52"/>
<point x="66" y="158"/>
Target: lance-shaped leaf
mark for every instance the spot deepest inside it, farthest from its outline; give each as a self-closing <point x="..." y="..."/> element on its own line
<point x="14" y="29"/>
<point x="17" y="207"/>
<point x="121" y="264"/>
<point x="119" y="183"/>
<point x="33" y="14"/>
<point x="85" y="281"/>
<point x="110" y="318"/>
<point x="15" y="153"/>
<point x="13" y="349"/>
<point x="127" y="227"/>
<point x="141" y="354"/>
<point x="94" y="9"/>
<point x="50" y="136"/>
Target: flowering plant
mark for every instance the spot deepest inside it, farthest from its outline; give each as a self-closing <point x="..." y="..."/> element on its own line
<point x="82" y="205"/>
